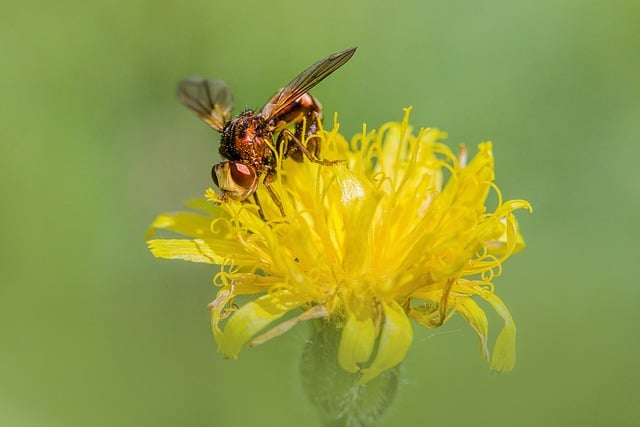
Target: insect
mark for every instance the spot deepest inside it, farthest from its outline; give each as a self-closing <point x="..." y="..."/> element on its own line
<point x="247" y="140"/>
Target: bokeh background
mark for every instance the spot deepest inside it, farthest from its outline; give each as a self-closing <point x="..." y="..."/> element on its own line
<point x="95" y="331"/>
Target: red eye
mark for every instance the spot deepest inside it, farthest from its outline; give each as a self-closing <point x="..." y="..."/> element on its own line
<point x="243" y="175"/>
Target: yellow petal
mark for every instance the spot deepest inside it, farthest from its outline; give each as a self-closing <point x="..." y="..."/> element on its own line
<point x="512" y="205"/>
<point x="186" y="223"/>
<point x="510" y="241"/>
<point x="217" y="307"/>
<point x="477" y="319"/>
<point x="394" y="342"/>
<point x="482" y="163"/>
<point x="252" y="317"/>
<point x="504" y="351"/>
<point x="473" y="182"/>
<point x="357" y="341"/>
<point x="315" y="312"/>
<point x="196" y="250"/>
<point x="210" y="251"/>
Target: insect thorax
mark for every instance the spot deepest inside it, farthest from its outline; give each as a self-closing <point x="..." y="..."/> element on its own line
<point x="245" y="138"/>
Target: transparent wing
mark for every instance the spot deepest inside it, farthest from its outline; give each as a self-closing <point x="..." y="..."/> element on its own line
<point x="212" y="100"/>
<point x="304" y="81"/>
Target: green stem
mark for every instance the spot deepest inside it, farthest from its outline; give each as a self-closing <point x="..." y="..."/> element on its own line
<point x="333" y="391"/>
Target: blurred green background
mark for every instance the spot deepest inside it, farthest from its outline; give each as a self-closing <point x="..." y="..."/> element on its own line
<point x="95" y="331"/>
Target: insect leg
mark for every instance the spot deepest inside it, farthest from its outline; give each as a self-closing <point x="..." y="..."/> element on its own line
<point x="310" y="126"/>
<point x="268" y="179"/>
<point x="288" y="136"/>
<point x="260" y="211"/>
<point x="306" y="114"/>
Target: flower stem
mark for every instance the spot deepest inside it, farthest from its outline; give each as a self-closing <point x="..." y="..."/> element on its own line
<point x="333" y="391"/>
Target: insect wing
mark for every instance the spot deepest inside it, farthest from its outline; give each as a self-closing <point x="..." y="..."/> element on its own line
<point x="212" y="100"/>
<point x="304" y="81"/>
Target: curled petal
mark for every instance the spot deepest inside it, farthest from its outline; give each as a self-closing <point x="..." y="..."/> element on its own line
<point x="504" y="351"/>
<point x="217" y="307"/>
<point x="357" y="341"/>
<point x="314" y="312"/>
<point x="510" y="241"/>
<point x="252" y="317"/>
<point x="395" y="339"/>
<point x="477" y="319"/>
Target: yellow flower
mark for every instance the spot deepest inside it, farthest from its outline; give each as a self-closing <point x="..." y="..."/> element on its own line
<point x="398" y="231"/>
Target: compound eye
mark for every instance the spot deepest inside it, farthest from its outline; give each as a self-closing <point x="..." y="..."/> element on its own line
<point x="244" y="176"/>
<point x="237" y="180"/>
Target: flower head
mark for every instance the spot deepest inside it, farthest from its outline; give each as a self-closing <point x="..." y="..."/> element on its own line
<point x="400" y="230"/>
